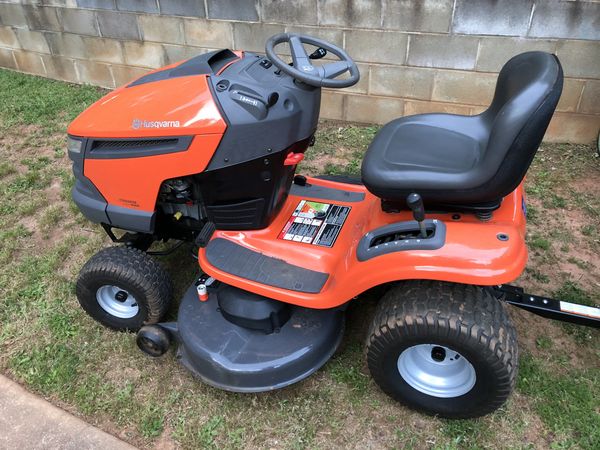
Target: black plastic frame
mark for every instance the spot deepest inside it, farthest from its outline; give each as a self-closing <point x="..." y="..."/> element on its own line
<point x="366" y="250"/>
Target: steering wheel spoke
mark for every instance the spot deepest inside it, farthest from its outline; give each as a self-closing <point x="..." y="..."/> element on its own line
<point x="332" y="70"/>
<point x="299" y="56"/>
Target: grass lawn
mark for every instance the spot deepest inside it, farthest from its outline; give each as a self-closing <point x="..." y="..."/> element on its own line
<point x="48" y="344"/>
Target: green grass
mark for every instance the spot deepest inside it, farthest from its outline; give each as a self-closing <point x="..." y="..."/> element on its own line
<point x="539" y="242"/>
<point x="52" y="347"/>
<point x="47" y="104"/>
<point x="567" y="403"/>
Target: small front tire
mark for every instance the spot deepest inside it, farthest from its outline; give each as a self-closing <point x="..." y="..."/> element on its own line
<point x="444" y="349"/>
<point x="153" y="340"/>
<point x="124" y="288"/>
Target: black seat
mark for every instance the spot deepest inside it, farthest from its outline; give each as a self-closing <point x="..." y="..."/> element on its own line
<point x="468" y="162"/>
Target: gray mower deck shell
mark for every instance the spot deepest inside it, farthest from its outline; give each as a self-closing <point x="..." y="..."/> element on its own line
<point x="237" y="359"/>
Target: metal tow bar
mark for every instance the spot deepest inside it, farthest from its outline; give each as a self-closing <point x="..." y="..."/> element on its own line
<point x="548" y="307"/>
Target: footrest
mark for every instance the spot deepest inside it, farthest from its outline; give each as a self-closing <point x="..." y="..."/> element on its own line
<point x="255" y="266"/>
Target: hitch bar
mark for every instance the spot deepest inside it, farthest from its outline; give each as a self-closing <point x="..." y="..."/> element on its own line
<point x="548" y="307"/>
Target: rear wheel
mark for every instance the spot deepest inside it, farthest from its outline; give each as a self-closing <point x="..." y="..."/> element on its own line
<point x="124" y="288"/>
<point x="442" y="348"/>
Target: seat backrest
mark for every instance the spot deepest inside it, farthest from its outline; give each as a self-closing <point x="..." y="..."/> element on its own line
<point x="527" y="92"/>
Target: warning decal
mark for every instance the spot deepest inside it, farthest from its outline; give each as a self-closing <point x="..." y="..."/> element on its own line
<point x="315" y="223"/>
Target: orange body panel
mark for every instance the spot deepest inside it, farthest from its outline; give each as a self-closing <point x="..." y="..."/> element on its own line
<point x="187" y="101"/>
<point x="472" y="253"/>
<point x="134" y="182"/>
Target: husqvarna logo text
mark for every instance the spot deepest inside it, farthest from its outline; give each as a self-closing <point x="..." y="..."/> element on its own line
<point x="137" y="123"/>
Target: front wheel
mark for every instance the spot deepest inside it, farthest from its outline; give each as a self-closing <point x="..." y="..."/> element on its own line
<point x="444" y="349"/>
<point x="124" y="288"/>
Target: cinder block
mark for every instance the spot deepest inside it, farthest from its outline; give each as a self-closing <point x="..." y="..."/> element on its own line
<point x="293" y="11"/>
<point x="176" y="53"/>
<point x="208" y="33"/>
<point x="569" y="20"/>
<point x="571" y="94"/>
<point x="79" y="21"/>
<point x="333" y="35"/>
<point x="182" y="8"/>
<point x="398" y="81"/>
<point x="32" y="40"/>
<point x="66" y="44"/>
<point x="118" y="25"/>
<point x="245" y="10"/>
<point x="61" y="3"/>
<point x="332" y="105"/>
<point x="494" y="52"/>
<point x="493" y="17"/>
<point x="449" y="52"/>
<point x="144" y="54"/>
<point x="96" y="73"/>
<point x="42" y="18"/>
<point x="29" y="62"/>
<point x="579" y="58"/>
<point x="574" y="128"/>
<point x="125" y="74"/>
<point x="147" y="6"/>
<point x="161" y="29"/>
<point x="350" y="13"/>
<point x="7" y="60"/>
<point x="370" y="109"/>
<point x="252" y="37"/>
<point x="590" y="100"/>
<point x="60" y="68"/>
<point x="12" y="15"/>
<point x="412" y="107"/>
<point x="8" y="37"/>
<point x="97" y="4"/>
<point x="418" y="15"/>
<point x="463" y="87"/>
<point x="376" y="46"/>
<point x="103" y="50"/>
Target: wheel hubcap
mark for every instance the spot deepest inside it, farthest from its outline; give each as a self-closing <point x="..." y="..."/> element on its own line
<point x="436" y="370"/>
<point x="117" y="302"/>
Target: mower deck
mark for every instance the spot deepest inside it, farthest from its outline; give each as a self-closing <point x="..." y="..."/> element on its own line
<point x="322" y="265"/>
<point x="240" y="359"/>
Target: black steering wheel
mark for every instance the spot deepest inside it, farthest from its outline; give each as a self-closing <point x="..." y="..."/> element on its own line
<point x="303" y="70"/>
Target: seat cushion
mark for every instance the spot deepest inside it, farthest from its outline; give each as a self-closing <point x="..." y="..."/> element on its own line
<point x="423" y="152"/>
<point x="467" y="162"/>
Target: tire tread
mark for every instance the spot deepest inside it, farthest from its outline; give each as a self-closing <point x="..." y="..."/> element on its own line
<point x="460" y="312"/>
<point x="132" y="266"/>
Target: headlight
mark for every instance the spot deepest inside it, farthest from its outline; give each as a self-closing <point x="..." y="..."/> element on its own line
<point x="74" y="145"/>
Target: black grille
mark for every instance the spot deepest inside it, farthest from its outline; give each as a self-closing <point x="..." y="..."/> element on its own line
<point x="132" y="144"/>
<point x="134" y="148"/>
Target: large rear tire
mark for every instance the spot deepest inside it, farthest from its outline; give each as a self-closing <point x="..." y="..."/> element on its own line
<point x="124" y="288"/>
<point x="444" y="349"/>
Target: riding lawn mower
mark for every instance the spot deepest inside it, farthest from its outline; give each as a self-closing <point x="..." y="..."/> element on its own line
<point x="205" y="151"/>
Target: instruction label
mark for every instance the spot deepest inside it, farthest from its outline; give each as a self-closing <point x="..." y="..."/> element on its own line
<point x="315" y="223"/>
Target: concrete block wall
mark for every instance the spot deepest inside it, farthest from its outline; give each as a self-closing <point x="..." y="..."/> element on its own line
<point x="415" y="56"/>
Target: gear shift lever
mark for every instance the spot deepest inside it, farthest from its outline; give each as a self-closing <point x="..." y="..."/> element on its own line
<point x="415" y="203"/>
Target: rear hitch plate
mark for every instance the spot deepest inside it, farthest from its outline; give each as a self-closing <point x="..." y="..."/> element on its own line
<point x="549" y="307"/>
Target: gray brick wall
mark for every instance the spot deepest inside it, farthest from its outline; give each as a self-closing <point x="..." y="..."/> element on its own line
<point x="415" y="56"/>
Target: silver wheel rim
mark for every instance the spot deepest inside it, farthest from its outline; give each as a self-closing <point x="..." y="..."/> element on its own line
<point x="117" y="302"/>
<point x="436" y="370"/>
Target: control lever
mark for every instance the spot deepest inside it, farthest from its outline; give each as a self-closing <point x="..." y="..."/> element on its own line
<point x="415" y="203"/>
<point x="318" y="53"/>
